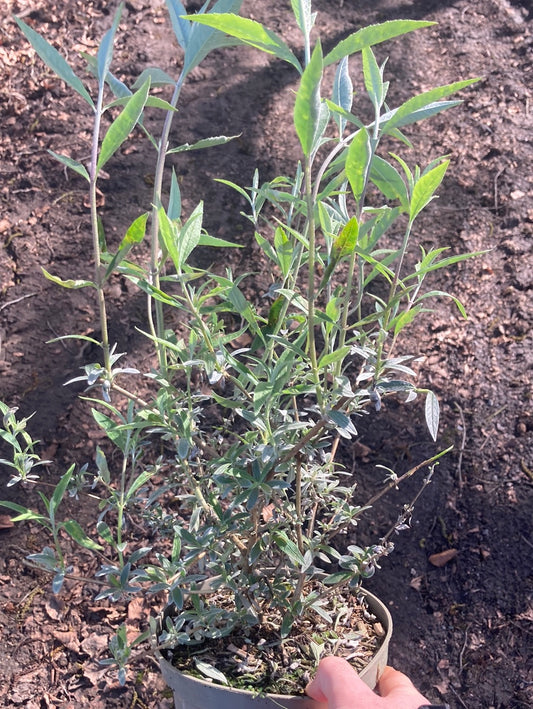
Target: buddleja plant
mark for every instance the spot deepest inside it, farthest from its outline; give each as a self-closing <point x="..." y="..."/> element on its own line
<point x="246" y="436"/>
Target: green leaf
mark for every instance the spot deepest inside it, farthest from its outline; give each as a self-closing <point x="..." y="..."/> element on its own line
<point x="134" y="235"/>
<point x="443" y="263"/>
<point x="427" y="112"/>
<point x="432" y="411"/>
<point x="139" y="481"/>
<point x="373" y="78"/>
<point x="342" y="422"/>
<point x="182" y="29"/>
<point x="216" y="242"/>
<point x="105" y="50"/>
<point x="103" y="530"/>
<point x="209" y="671"/>
<point x="169" y="231"/>
<point x="244" y="309"/>
<point x="358" y="162"/>
<point x="122" y="126"/>
<point x="266" y="246"/>
<point x="389" y="181"/>
<point x="395" y="385"/>
<point x="346" y="241"/>
<point x="289" y="548"/>
<point x="157" y="77"/>
<point x="307" y="104"/>
<point x="53" y="59"/>
<point x="275" y="312"/>
<point x="174" y="200"/>
<point x="59" y="491"/>
<point x="422" y="105"/>
<point x="373" y="34"/>
<point x="443" y="294"/>
<point x="286" y="625"/>
<point x="190" y="233"/>
<point x="76" y="532"/>
<point x="333" y="357"/>
<point x="338" y="577"/>
<point x="204" y="143"/>
<point x="305" y="19"/>
<point x="68" y="283"/>
<point x="284" y="250"/>
<point x="249" y="32"/>
<point x="262" y="393"/>
<point x="198" y="41"/>
<point x="339" y="111"/>
<point x="111" y="429"/>
<point x="342" y="92"/>
<point x="425" y="188"/>
<point x="25" y="514"/>
<point x="72" y="164"/>
<point x="405" y="318"/>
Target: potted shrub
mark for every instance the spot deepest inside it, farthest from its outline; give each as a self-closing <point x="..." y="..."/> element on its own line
<point x="228" y="444"/>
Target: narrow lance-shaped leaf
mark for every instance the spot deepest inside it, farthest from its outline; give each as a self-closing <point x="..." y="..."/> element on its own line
<point x="53" y="59"/>
<point x="346" y="241"/>
<point x="284" y="250"/>
<point x="342" y="92"/>
<point x="389" y="181"/>
<point x="190" y="233"/>
<point x="169" y="234"/>
<point x="68" y="283"/>
<point x="203" y="39"/>
<point x="157" y="77"/>
<point x="415" y="106"/>
<point x="241" y="305"/>
<point x="59" y="492"/>
<point x="307" y="104"/>
<point x="425" y="188"/>
<point x="203" y="143"/>
<point x="180" y="26"/>
<point x="24" y="513"/>
<point x="72" y="164"/>
<point x="343" y="246"/>
<point x="174" y="200"/>
<point x="373" y="78"/>
<point x="134" y="235"/>
<point x="105" y="50"/>
<point x="76" y="532"/>
<point x="432" y="414"/>
<point x="305" y="19"/>
<point x="443" y="263"/>
<point x="373" y="34"/>
<point x="358" y="162"/>
<point x="122" y="126"/>
<point x="249" y="32"/>
<point x="444" y="294"/>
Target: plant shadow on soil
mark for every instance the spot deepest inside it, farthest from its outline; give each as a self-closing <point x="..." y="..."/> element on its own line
<point x="463" y="629"/>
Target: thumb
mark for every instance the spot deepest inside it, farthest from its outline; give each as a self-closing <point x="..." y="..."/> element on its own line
<point x="337" y="683"/>
<point x="395" y="686"/>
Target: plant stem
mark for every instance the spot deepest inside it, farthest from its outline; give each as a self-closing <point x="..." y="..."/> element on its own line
<point x="98" y="270"/>
<point x="311" y="265"/>
<point x="157" y="329"/>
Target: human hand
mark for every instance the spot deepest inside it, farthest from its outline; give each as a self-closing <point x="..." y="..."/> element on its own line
<point x="338" y="684"/>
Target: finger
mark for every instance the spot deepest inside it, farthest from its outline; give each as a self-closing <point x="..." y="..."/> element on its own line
<point x="396" y="685"/>
<point x="337" y="683"/>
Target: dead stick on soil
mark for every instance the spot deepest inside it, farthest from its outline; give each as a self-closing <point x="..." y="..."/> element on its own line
<point x="16" y="300"/>
<point x="458" y="697"/>
<point x="463" y="444"/>
<point x="461" y="654"/>
<point x="496" y="177"/>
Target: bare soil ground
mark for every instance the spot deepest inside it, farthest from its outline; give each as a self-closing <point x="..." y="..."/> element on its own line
<point x="463" y="629"/>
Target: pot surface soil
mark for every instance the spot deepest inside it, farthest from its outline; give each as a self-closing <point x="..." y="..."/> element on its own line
<point x="374" y="625"/>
